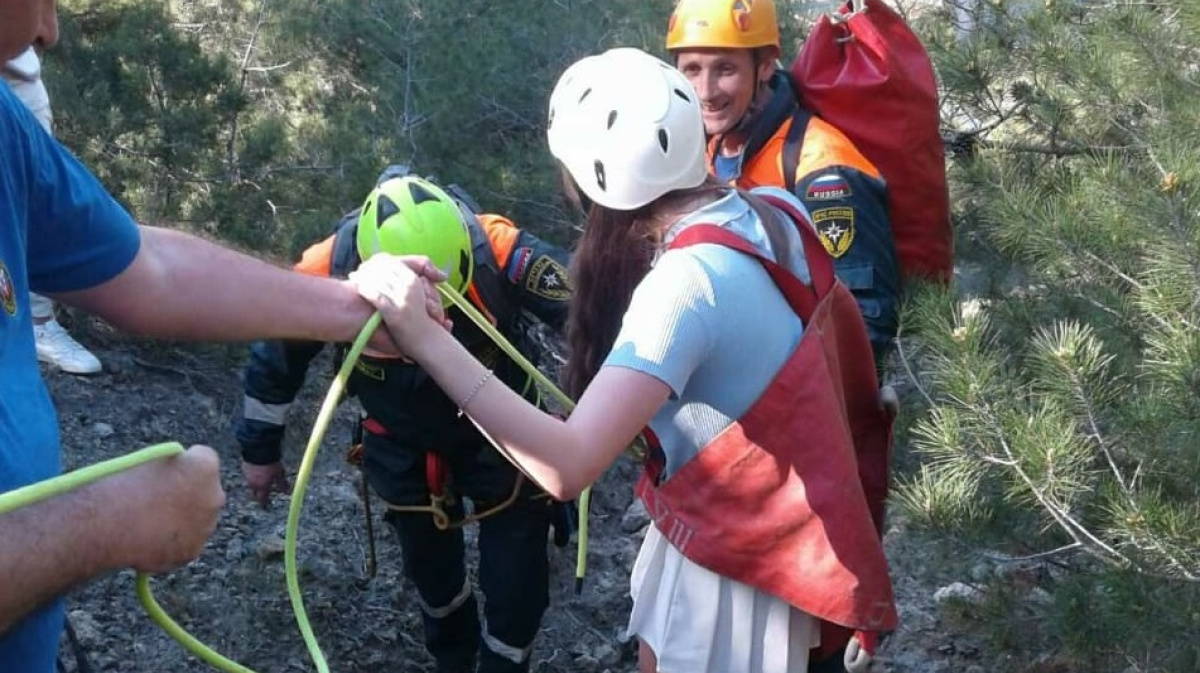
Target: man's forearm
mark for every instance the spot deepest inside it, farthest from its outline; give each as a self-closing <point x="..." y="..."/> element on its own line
<point x="153" y="518"/>
<point x="50" y="547"/>
<point x="180" y="286"/>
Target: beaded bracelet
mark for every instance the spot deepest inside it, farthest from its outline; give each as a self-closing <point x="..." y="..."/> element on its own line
<point x="475" y="391"/>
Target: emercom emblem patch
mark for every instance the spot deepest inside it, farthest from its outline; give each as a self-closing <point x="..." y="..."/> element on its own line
<point x="835" y="227"/>
<point x="547" y="278"/>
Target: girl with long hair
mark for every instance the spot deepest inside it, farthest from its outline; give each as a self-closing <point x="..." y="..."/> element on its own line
<point x="695" y="340"/>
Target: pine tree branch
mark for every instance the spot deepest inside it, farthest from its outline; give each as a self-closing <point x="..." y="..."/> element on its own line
<point x="1078" y="532"/>
<point x="270" y="68"/>
<point x="963" y="143"/>
<point x="996" y="460"/>
<point x="1095" y="303"/>
<point x="1034" y="557"/>
<point x="912" y="376"/>
<point x="1085" y="402"/>
<point x="231" y="163"/>
<point x="1132" y="282"/>
<point x="1059" y="151"/>
<point x="1095" y="434"/>
<point x="1113" y="269"/>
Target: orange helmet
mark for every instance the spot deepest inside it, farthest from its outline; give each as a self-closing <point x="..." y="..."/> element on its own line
<point x="731" y="24"/>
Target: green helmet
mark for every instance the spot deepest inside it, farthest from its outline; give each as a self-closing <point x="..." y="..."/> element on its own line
<point x="412" y="216"/>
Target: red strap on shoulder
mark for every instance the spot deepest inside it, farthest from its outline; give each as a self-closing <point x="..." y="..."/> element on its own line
<point x="800" y="297"/>
<point x="820" y="266"/>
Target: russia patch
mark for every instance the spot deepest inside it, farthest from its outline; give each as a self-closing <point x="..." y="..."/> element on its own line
<point x="517" y="264"/>
<point x="827" y="188"/>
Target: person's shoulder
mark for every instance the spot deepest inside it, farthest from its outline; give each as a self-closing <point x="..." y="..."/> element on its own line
<point x="10" y="108"/>
<point x="832" y="140"/>
<point x="18" y="132"/>
<point x="18" y="127"/>
<point x="827" y="133"/>
<point x="702" y="265"/>
<point x="780" y="194"/>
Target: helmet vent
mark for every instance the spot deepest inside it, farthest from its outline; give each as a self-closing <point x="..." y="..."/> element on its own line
<point x="586" y="92"/>
<point x="420" y="194"/>
<point x="601" y="180"/>
<point x="385" y="208"/>
<point x="682" y="95"/>
<point x="663" y="140"/>
<point x="464" y="267"/>
<point x="612" y="118"/>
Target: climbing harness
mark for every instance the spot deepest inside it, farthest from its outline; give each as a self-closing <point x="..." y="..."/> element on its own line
<point x="438" y="502"/>
<point x="437" y="481"/>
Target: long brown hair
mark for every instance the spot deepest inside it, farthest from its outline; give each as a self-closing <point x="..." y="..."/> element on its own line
<point x="612" y="257"/>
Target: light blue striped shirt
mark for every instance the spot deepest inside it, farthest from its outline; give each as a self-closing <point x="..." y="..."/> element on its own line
<point x="709" y="322"/>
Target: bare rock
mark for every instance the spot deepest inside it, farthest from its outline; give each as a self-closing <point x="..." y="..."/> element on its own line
<point x="635" y="518"/>
<point x="586" y="662"/>
<point x="957" y="592"/>
<point x="269" y="548"/>
<point x="86" y="628"/>
<point x="606" y="655"/>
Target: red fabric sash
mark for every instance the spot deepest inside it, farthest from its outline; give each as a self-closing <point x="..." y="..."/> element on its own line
<point x="789" y="499"/>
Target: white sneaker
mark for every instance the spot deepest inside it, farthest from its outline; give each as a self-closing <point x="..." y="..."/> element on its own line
<point x="57" y="347"/>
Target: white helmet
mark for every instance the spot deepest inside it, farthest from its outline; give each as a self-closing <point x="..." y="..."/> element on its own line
<point x="627" y="127"/>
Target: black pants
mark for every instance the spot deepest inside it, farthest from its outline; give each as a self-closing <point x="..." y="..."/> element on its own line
<point x="513" y="566"/>
<point x="835" y="663"/>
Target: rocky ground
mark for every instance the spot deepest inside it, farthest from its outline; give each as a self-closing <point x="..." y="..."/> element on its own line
<point x="233" y="598"/>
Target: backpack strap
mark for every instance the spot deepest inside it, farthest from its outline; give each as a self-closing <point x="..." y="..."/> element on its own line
<point x="800" y="297"/>
<point x="793" y="142"/>
<point x="488" y="290"/>
<point x="344" y="257"/>
<point x="820" y="265"/>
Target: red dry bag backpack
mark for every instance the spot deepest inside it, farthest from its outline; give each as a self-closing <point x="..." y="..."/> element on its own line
<point x="864" y="71"/>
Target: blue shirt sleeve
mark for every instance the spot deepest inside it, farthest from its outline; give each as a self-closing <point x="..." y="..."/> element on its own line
<point x="77" y="235"/>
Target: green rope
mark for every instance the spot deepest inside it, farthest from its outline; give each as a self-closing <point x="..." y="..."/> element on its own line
<point x="511" y="351"/>
<point x="34" y="493"/>
<point x="324" y="416"/>
<point x="544" y="384"/>
<point x="42" y="490"/>
<point x="188" y="641"/>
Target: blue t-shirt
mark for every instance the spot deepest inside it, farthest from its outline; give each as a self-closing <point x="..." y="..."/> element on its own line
<point x="727" y="169"/>
<point x="59" y="231"/>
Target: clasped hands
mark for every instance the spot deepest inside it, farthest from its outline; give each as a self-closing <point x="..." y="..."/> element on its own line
<point x="404" y="291"/>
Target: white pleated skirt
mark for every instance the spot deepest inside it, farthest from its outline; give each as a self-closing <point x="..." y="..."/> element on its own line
<point x="697" y="621"/>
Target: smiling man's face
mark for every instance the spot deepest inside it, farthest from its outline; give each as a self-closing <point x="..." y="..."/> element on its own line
<point x="725" y="81"/>
<point x="24" y="23"/>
